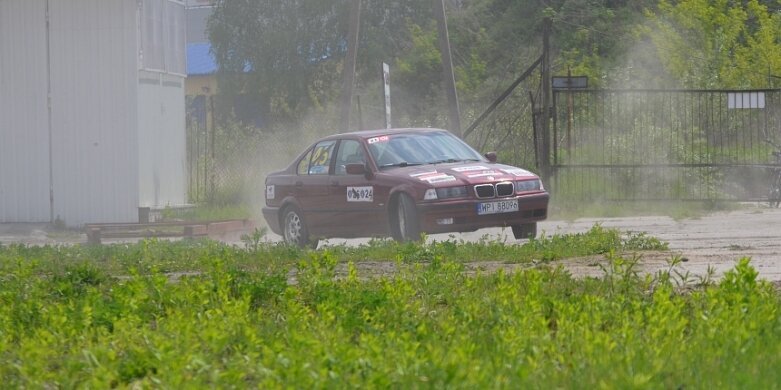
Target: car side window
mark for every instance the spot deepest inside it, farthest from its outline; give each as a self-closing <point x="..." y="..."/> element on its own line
<point x="321" y="158"/>
<point x="350" y="152"/>
<point x="303" y="165"/>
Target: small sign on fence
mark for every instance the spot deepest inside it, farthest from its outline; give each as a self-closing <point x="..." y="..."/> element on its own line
<point x="386" y="82"/>
<point x="572" y="82"/>
<point x="745" y="100"/>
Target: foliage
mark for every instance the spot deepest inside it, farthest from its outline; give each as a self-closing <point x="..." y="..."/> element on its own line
<point x="207" y="212"/>
<point x="278" y="52"/>
<point x="719" y="44"/>
<point x="258" y="252"/>
<point x="290" y="57"/>
<point x="430" y="325"/>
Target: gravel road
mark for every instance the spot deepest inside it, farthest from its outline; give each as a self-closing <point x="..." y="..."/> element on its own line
<point x="717" y="240"/>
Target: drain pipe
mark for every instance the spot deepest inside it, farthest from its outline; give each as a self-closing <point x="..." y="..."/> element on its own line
<point x="49" y="109"/>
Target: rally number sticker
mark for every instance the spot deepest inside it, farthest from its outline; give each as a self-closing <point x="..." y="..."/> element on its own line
<point x="360" y="194"/>
<point x="270" y="192"/>
<point x="374" y="140"/>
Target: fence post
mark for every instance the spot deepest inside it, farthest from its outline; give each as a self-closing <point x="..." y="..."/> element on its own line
<point x="545" y="166"/>
<point x="454" y="117"/>
<point x="348" y="73"/>
<point x="213" y="154"/>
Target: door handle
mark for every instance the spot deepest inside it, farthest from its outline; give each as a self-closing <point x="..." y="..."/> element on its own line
<point x="334" y="183"/>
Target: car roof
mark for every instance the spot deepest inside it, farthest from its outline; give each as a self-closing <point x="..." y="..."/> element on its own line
<point x="380" y="132"/>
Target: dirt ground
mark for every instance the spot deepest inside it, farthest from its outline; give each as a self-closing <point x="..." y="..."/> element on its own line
<point x="717" y="240"/>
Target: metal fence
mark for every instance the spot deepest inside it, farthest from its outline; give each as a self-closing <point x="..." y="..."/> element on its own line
<point x="511" y="126"/>
<point x="648" y="145"/>
<point x="223" y="155"/>
<point x="228" y="158"/>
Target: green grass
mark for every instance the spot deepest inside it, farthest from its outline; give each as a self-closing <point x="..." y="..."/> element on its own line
<point x="207" y="212"/>
<point x="110" y="317"/>
<point x="148" y="256"/>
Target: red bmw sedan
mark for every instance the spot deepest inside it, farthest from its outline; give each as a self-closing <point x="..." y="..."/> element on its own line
<point x="399" y="183"/>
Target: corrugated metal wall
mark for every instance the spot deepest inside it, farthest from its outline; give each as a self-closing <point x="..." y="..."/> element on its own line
<point x="116" y="142"/>
<point x="24" y="134"/>
<point x="161" y="127"/>
<point x="94" y="89"/>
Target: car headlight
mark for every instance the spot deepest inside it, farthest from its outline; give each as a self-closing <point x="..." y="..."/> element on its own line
<point x="451" y="192"/>
<point x="528" y="185"/>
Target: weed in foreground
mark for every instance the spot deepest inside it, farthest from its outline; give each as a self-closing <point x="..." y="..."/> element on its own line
<point x="430" y="325"/>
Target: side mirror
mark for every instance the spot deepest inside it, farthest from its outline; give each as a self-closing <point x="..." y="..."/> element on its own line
<point x="491" y="156"/>
<point x="355" y="169"/>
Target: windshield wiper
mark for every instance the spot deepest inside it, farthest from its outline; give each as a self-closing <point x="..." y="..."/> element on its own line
<point x="450" y="160"/>
<point x="399" y="164"/>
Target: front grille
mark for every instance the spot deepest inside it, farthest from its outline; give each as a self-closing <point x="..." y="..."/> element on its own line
<point x="484" y="191"/>
<point x="505" y="189"/>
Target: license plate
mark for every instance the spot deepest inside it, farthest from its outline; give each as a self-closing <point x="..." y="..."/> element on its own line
<point x="502" y="206"/>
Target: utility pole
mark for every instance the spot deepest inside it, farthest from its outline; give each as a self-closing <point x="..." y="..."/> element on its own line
<point x="545" y="170"/>
<point x="454" y="117"/>
<point x="348" y="73"/>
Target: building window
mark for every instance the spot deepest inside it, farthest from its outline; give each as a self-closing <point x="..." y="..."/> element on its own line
<point x="162" y="46"/>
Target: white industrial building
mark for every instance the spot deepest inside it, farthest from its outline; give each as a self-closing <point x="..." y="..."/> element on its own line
<point x="92" y="121"/>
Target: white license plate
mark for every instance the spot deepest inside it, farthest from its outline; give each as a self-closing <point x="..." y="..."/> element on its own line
<point x="502" y="206"/>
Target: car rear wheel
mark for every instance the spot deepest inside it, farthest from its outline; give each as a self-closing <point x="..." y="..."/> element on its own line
<point x="407" y="225"/>
<point x="294" y="229"/>
<point x="526" y="230"/>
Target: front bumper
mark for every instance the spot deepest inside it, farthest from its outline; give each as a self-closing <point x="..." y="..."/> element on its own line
<point x="463" y="214"/>
<point x="271" y="214"/>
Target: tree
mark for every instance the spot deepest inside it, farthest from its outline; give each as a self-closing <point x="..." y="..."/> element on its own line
<point x="282" y="53"/>
<point x="719" y="43"/>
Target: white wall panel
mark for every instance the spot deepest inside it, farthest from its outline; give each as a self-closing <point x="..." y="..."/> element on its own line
<point x="24" y="134"/>
<point x="94" y="92"/>
<point x="116" y="142"/>
<point x="162" y="158"/>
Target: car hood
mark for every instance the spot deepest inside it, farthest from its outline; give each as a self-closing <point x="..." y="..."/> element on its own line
<point x="442" y="175"/>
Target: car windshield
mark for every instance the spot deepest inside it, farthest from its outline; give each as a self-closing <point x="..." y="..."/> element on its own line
<point x="420" y="148"/>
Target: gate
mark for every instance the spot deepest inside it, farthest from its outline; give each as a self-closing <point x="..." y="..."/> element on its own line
<point x="649" y="145"/>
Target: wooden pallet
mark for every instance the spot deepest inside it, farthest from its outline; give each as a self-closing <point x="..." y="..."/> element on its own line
<point x="96" y="232"/>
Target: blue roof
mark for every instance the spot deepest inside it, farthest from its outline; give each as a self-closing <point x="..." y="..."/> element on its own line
<point x="200" y="60"/>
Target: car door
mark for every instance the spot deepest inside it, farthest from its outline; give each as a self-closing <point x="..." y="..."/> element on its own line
<point x="351" y="197"/>
<point x="312" y="187"/>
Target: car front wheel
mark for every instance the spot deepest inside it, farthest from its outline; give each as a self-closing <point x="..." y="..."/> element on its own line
<point x="295" y="229"/>
<point x="407" y="225"/>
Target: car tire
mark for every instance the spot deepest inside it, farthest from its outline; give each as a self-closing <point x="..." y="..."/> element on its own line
<point x="294" y="228"/>
<point x="526" y="230"/>
<point x="406" y="224"/>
